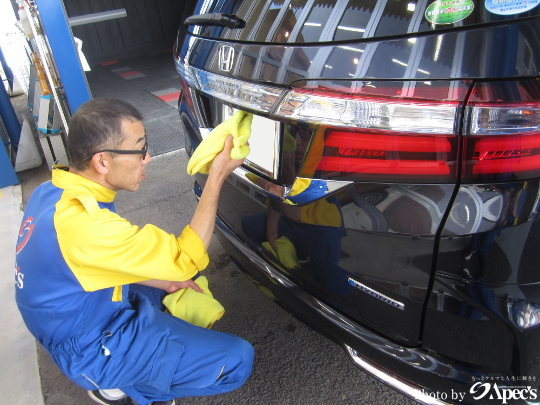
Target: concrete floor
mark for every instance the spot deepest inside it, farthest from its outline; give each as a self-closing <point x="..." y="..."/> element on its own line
<point x="19" y="377"/>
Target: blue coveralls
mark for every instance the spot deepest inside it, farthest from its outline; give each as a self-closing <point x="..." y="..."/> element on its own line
<point x="98" y="342"/>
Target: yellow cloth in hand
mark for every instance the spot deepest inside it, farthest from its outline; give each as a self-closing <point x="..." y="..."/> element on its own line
<point x="239" y="126"/>
<point x="199" y="309"/>
<point x="286" y="253"/>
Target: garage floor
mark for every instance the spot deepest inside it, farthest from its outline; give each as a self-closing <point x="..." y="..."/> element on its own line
<point x="149" y="82"/>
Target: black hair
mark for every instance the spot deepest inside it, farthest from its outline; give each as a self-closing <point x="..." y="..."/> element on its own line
<point x="97" y="125"/>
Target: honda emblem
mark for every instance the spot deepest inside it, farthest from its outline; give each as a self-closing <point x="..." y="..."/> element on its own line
<point x="226" y="58"/>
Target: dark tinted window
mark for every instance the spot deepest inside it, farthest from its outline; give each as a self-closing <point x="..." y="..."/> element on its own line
<point x="270" y="17"/>
<point x="252" y="15"/>
<point x="343" y="61"/>
<point x="318" y="16"/>
<point x="396" y="18"/>
<point x="293" y="13"/>
<point x="355" y="19"/>
<point x="303" y="21"/>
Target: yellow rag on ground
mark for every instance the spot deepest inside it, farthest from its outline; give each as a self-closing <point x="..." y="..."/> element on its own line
<point x="286" y="253"/>
<point x="239" y="126"/>
<point x="199" y="309"/>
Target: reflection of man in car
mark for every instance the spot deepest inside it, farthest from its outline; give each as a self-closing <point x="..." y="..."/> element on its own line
<point x="314" y="230"/>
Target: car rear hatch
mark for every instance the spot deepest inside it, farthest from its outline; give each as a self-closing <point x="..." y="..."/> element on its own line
<point x="382" y="93"/>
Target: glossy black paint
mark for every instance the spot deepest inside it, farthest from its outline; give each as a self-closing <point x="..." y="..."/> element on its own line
<point x="461" y="259"/>
<point x="466" y="320"/>
<point x="420" y="367"/>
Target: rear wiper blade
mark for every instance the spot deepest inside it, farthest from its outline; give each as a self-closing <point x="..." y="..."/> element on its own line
<point x="226" y="20"/>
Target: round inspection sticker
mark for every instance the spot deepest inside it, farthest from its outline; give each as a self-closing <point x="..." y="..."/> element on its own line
<point x="450" y="11"/>
<point x="508" y="7"/>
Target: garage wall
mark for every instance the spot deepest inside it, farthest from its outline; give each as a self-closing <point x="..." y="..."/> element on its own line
<point x="150" y="24"/>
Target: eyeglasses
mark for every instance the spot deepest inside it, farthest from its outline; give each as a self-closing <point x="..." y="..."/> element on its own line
<point x="142" y="151"/>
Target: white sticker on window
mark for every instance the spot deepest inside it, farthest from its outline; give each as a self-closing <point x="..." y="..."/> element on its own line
<point x="509" y="7"/>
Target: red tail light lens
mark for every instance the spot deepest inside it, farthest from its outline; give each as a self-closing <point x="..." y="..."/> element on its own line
<point x="389" y="157"/>
<point x="381" y="136"/>
<point x="503" y="142"/>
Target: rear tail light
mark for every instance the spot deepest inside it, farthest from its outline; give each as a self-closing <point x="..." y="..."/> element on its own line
<point x="503" y="142"/>
<point x="252" y="96"/>
<point x="400" y="132"/>
<point x="382" y="154"/>
<point x="383" y="138"/>
<point x="345" y="110"/>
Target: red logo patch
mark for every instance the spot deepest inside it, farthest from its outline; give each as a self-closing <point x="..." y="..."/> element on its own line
<point x="26" y="230"/>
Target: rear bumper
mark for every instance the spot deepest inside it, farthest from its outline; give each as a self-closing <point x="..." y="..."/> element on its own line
<point x="415" y="373"/>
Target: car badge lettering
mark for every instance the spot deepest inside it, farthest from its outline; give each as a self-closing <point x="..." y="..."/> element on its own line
<point x="376" y="294"/>
<point x="226" y="58"/>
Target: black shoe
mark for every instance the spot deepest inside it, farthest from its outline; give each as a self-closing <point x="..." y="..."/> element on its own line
<point x="100" y="399"/>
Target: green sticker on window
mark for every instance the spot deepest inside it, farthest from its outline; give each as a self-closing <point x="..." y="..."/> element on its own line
<point x="449" y="11"/>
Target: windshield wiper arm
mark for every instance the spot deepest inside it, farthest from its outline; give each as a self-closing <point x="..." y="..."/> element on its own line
<point x="226" y="20"/>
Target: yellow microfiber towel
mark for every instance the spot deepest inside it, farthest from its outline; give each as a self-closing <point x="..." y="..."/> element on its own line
<point x="239" y="126"/>
<point x="289" y="143"/>
<point x="286" y="253"/>
<point x="199" y="309"/>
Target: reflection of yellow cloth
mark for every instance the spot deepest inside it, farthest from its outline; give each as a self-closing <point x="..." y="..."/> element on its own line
<point x="239" y="126"/>
<point x="199" y="309"/>
<point x="252" y="177"/>
<point x="321" y="212"/>
<point x="286" y="253"/>
<point x="289" y="143"/>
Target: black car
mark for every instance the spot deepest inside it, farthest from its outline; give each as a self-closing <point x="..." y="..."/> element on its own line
<point x="391" y="196"/>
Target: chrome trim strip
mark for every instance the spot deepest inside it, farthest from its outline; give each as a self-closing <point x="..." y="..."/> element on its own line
<point x="277" y="149"/>
<point x="376" y="294"/>
<point x="240" y="174"/>
<point x="401" y="386"/>
<point x="205" y="132"/>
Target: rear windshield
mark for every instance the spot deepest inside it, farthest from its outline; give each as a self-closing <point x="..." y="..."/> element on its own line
<point x="313" y="21"/>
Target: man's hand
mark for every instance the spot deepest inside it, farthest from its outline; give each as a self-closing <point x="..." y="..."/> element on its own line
<point x="170" y="286"/>
<point x="223" y="165"/>
<point x="178" y="285"/>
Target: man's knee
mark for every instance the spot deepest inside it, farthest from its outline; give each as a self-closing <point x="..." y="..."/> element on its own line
<point x="238" y="367"/>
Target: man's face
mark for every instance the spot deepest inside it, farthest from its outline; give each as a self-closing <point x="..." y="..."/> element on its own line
<point x="125" y="172"/>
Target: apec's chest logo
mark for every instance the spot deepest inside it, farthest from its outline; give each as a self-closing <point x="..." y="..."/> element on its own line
<point x="25" y="232"/>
